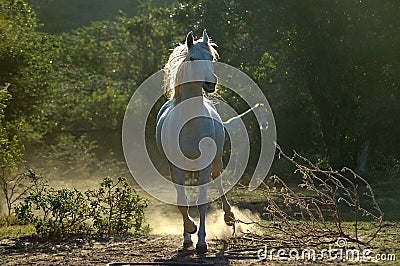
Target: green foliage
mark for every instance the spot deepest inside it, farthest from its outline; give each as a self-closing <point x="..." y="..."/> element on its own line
<point x="330" y="71"/>
<point x="10" y="151"/>
<point x="102" y="64"/>
<point x="10" y="146"/>
<point x="6" y="220"/>
<point x="114" y="208"/>
<point x="90" y="101"/>
<point x="26" y="63"/>
<point x="65" y="15"/>
<point x="342" y="57"/>
<point x="16" y="186"/>
<point x="63" y="210"/>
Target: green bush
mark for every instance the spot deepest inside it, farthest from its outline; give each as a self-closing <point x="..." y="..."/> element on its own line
<point x="63" y="212"/>
<point x="114" y="208"/>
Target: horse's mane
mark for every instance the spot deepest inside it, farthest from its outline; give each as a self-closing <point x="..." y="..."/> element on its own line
<point x="175" y="61"/>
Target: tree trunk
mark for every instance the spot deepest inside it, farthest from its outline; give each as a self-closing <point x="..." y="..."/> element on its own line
<point x="361" y="167"/>
<point x="329" y="124"/>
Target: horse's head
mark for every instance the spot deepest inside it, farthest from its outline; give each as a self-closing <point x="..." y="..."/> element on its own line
<point x="202" y="53"/>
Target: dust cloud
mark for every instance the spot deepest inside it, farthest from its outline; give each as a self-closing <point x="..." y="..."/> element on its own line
<point x="168" y="220"/>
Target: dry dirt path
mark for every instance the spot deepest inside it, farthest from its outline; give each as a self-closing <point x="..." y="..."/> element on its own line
<point x="164" y="249"/>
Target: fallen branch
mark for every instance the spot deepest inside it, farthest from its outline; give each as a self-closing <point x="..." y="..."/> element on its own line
<point x="313" y="214"/>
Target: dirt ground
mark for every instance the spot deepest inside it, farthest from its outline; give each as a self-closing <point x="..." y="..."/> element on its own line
<point x="162" y="246"/>
<point x="150" y="250"/>
<point x="140" y="250"/>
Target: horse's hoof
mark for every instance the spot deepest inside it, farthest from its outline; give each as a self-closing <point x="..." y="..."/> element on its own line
<point x="229" y="218"/>
<point x="194" y="231"/>
<point x="190" y="227"/>
<point x="187" y="244"/>
<point x="201" y="248"/>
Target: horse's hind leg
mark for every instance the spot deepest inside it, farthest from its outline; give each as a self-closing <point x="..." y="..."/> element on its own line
<point x="229" y="216"/>
<point x="178" y="177"/>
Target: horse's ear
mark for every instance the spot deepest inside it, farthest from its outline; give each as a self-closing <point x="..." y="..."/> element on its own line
<point x="205" y="36"/>
<point x="189" y="40"/>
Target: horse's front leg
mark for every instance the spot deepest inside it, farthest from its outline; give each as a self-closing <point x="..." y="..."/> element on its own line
<point x="229" y="216"/>
<point x="189" y="226"/>
<point x="204" y="178"/>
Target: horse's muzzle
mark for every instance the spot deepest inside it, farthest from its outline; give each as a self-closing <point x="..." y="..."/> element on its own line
<point x="209" y="86"/>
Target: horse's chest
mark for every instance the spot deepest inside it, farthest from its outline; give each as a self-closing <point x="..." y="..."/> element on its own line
<point x="191" y="135"/>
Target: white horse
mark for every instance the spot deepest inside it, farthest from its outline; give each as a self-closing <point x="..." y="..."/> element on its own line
<point x="233" y="125"/>
<point x="195" y="130"/>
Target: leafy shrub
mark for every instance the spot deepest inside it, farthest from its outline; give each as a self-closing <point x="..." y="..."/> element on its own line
<point x="114" y="208"/>
<point x="63" y="212"/>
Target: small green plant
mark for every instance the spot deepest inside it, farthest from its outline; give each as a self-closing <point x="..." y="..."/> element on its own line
<point x="112" y="209"/>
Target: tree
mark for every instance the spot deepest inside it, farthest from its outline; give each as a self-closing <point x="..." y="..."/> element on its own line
<point x="10" y="152"/>
<point x="26" y="58"/>
<point x="344" y="49"/>
<point x="101" y="65"/>
<point x="331" y="67"/>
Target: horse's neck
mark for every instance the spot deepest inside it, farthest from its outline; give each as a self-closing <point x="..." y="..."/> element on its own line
<point x="192" y="100"/>
<point x="189" y="91"/>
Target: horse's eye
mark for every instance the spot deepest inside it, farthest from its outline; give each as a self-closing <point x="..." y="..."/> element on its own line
<point x="191" y="58"/>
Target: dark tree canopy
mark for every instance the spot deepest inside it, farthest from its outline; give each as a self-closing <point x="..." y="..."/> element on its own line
<point x="330" y="69"/>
